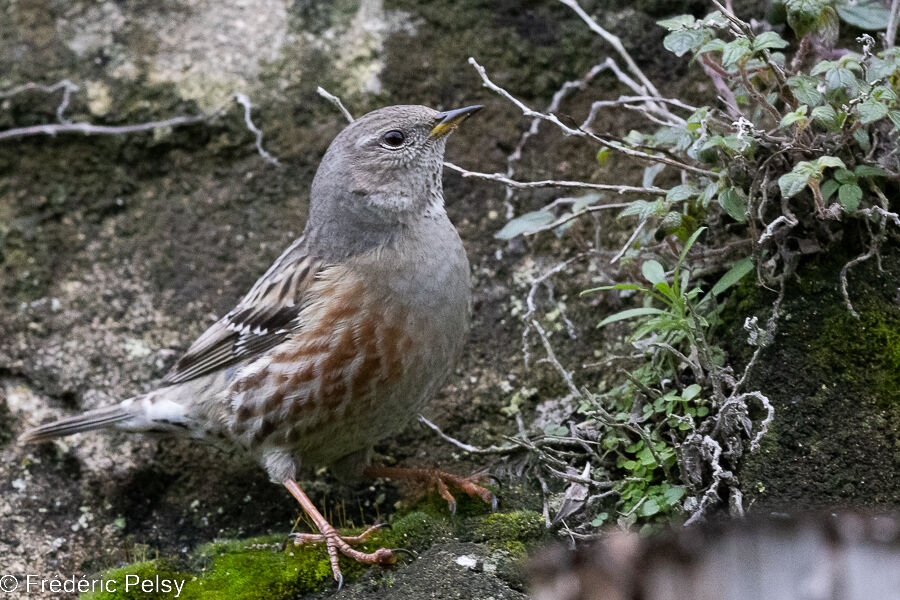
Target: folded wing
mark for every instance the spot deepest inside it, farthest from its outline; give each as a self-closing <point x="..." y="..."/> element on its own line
<point x="262" y="319"/>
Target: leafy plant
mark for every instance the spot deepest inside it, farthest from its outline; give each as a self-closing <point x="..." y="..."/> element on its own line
<point x="799" y="149"/>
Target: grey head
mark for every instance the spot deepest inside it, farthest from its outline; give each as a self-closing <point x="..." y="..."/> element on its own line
<point x="380" y="175"/>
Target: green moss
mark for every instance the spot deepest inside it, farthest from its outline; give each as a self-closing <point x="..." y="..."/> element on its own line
<point x="257" y="571"/>
<point x="518" y="526"/>
<point x="833" y="381"/>
<point x="265" y="568"/>
<point x="862" y="352"/>
<point x="419" y="528"/>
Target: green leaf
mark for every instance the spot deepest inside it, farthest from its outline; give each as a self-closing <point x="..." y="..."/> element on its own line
<point x="829" y="161"/>
<point x="825" y="114"/>
<point x="600" y="519"/>
<point x="630" y="314"/>
<point x="618" y="286"/>
<point x="849" y="196"/>
<point x="679" y="22"/>
<point x="695" y="121"/>
<point x="582" y="202"/>
<point x="862" y="138"/>
<point x="823" y="67"/>
<point x="714" y="45"/>
<point x="869" y="171"/>
<point x="768" y="39"/>
<point x="734" y="203"/>
<point x="603" y="155"/>
<point x="894" y="116"/>
<point x="687" y="246"/>
<point x="737" y="272"/>
<point x="682" y="41"/>
<point x="864" y="14"/>
<point x="681" y="192"/>
<point x="716" y="19"/>
<point x="805" y="89"/>
<point x="828" y="26"/>
<point x="880" y="68"/>
<point x="805" y="16"/>
<point x="836" y="79"/>
<point x="884" y="94"/>
<point x="674" y="494"/>
<point x="649" y="508"/>
<point x="844" y="176"/>
<point x="793" y="117"/>
<point x="527" y="223"/>
<point x="792" y="183"/>
<point x="735" y="50"/>
<point x="653" y="272"/>
<point x="828" y="189"/>
<point x="671" y="221"/>
<point x="871" y="110"/>
<point x="690" y="392"/>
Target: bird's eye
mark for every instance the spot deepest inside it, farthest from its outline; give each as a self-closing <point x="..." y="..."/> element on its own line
<point x="393" y="139"/>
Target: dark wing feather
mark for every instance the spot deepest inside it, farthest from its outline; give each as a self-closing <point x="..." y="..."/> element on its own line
<point x="262" y="319"/>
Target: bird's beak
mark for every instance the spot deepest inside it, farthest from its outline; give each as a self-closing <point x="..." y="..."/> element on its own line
<point x="449" y="120"/>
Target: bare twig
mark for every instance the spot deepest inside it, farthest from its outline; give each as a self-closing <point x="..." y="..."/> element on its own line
<point x="245" y="102"/>
<point x="528" y="112"/>
<point x="584" y="211"/>
<point x="616" y="43"/>
<point x="467" y="447"/>
<point x="890" y="35"/>
<point x="628" y="100"/>
<point x="551" y="357"/>
<point x="532" y="308"/>
<point x="725" y="93"/>
<point x="767" y="420"/>
<point x="65" y="126"/>
<point x="91" y="129"/>
<point x="861" y="258"/>
<point x="554" y="105"/>
<point x="549" y="183"/>
<point x="336" y="101"/>
<point x="630" y="241"/>
<point x="65" y="85"/>
<point x="712" y="452"/>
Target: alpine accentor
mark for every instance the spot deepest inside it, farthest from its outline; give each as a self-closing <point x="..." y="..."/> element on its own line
<point x="346" y="335"/>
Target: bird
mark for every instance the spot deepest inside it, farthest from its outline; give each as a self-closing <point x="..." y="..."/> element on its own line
<point x="343" y="339"/>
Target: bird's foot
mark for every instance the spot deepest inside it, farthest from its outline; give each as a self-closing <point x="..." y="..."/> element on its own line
<point x="336" y="543"/>
<point x="441" y="481"/>
<point x="352" y="540"/>
<point x="343" y="544"/>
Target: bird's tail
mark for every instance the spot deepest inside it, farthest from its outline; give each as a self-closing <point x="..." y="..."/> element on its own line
<point x="93" y="419"/>
<point x="149" y="412"/>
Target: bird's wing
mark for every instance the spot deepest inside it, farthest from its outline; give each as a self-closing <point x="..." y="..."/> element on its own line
<point x="262" y="319"/>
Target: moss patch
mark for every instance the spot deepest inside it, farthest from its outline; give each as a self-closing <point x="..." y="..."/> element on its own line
<point x="863" y="352"/>
<point x="834" y="382"/>
<point x="266" y="568"/>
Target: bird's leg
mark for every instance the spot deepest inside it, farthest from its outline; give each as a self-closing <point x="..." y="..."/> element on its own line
<point x="334" y="542"/>
<point x="438" y="479"/>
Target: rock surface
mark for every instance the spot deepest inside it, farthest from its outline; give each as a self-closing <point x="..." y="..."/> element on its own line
<point x="115" y="252"/>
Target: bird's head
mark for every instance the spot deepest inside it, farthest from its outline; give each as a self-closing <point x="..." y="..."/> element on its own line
<point x="386" y="166"/>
